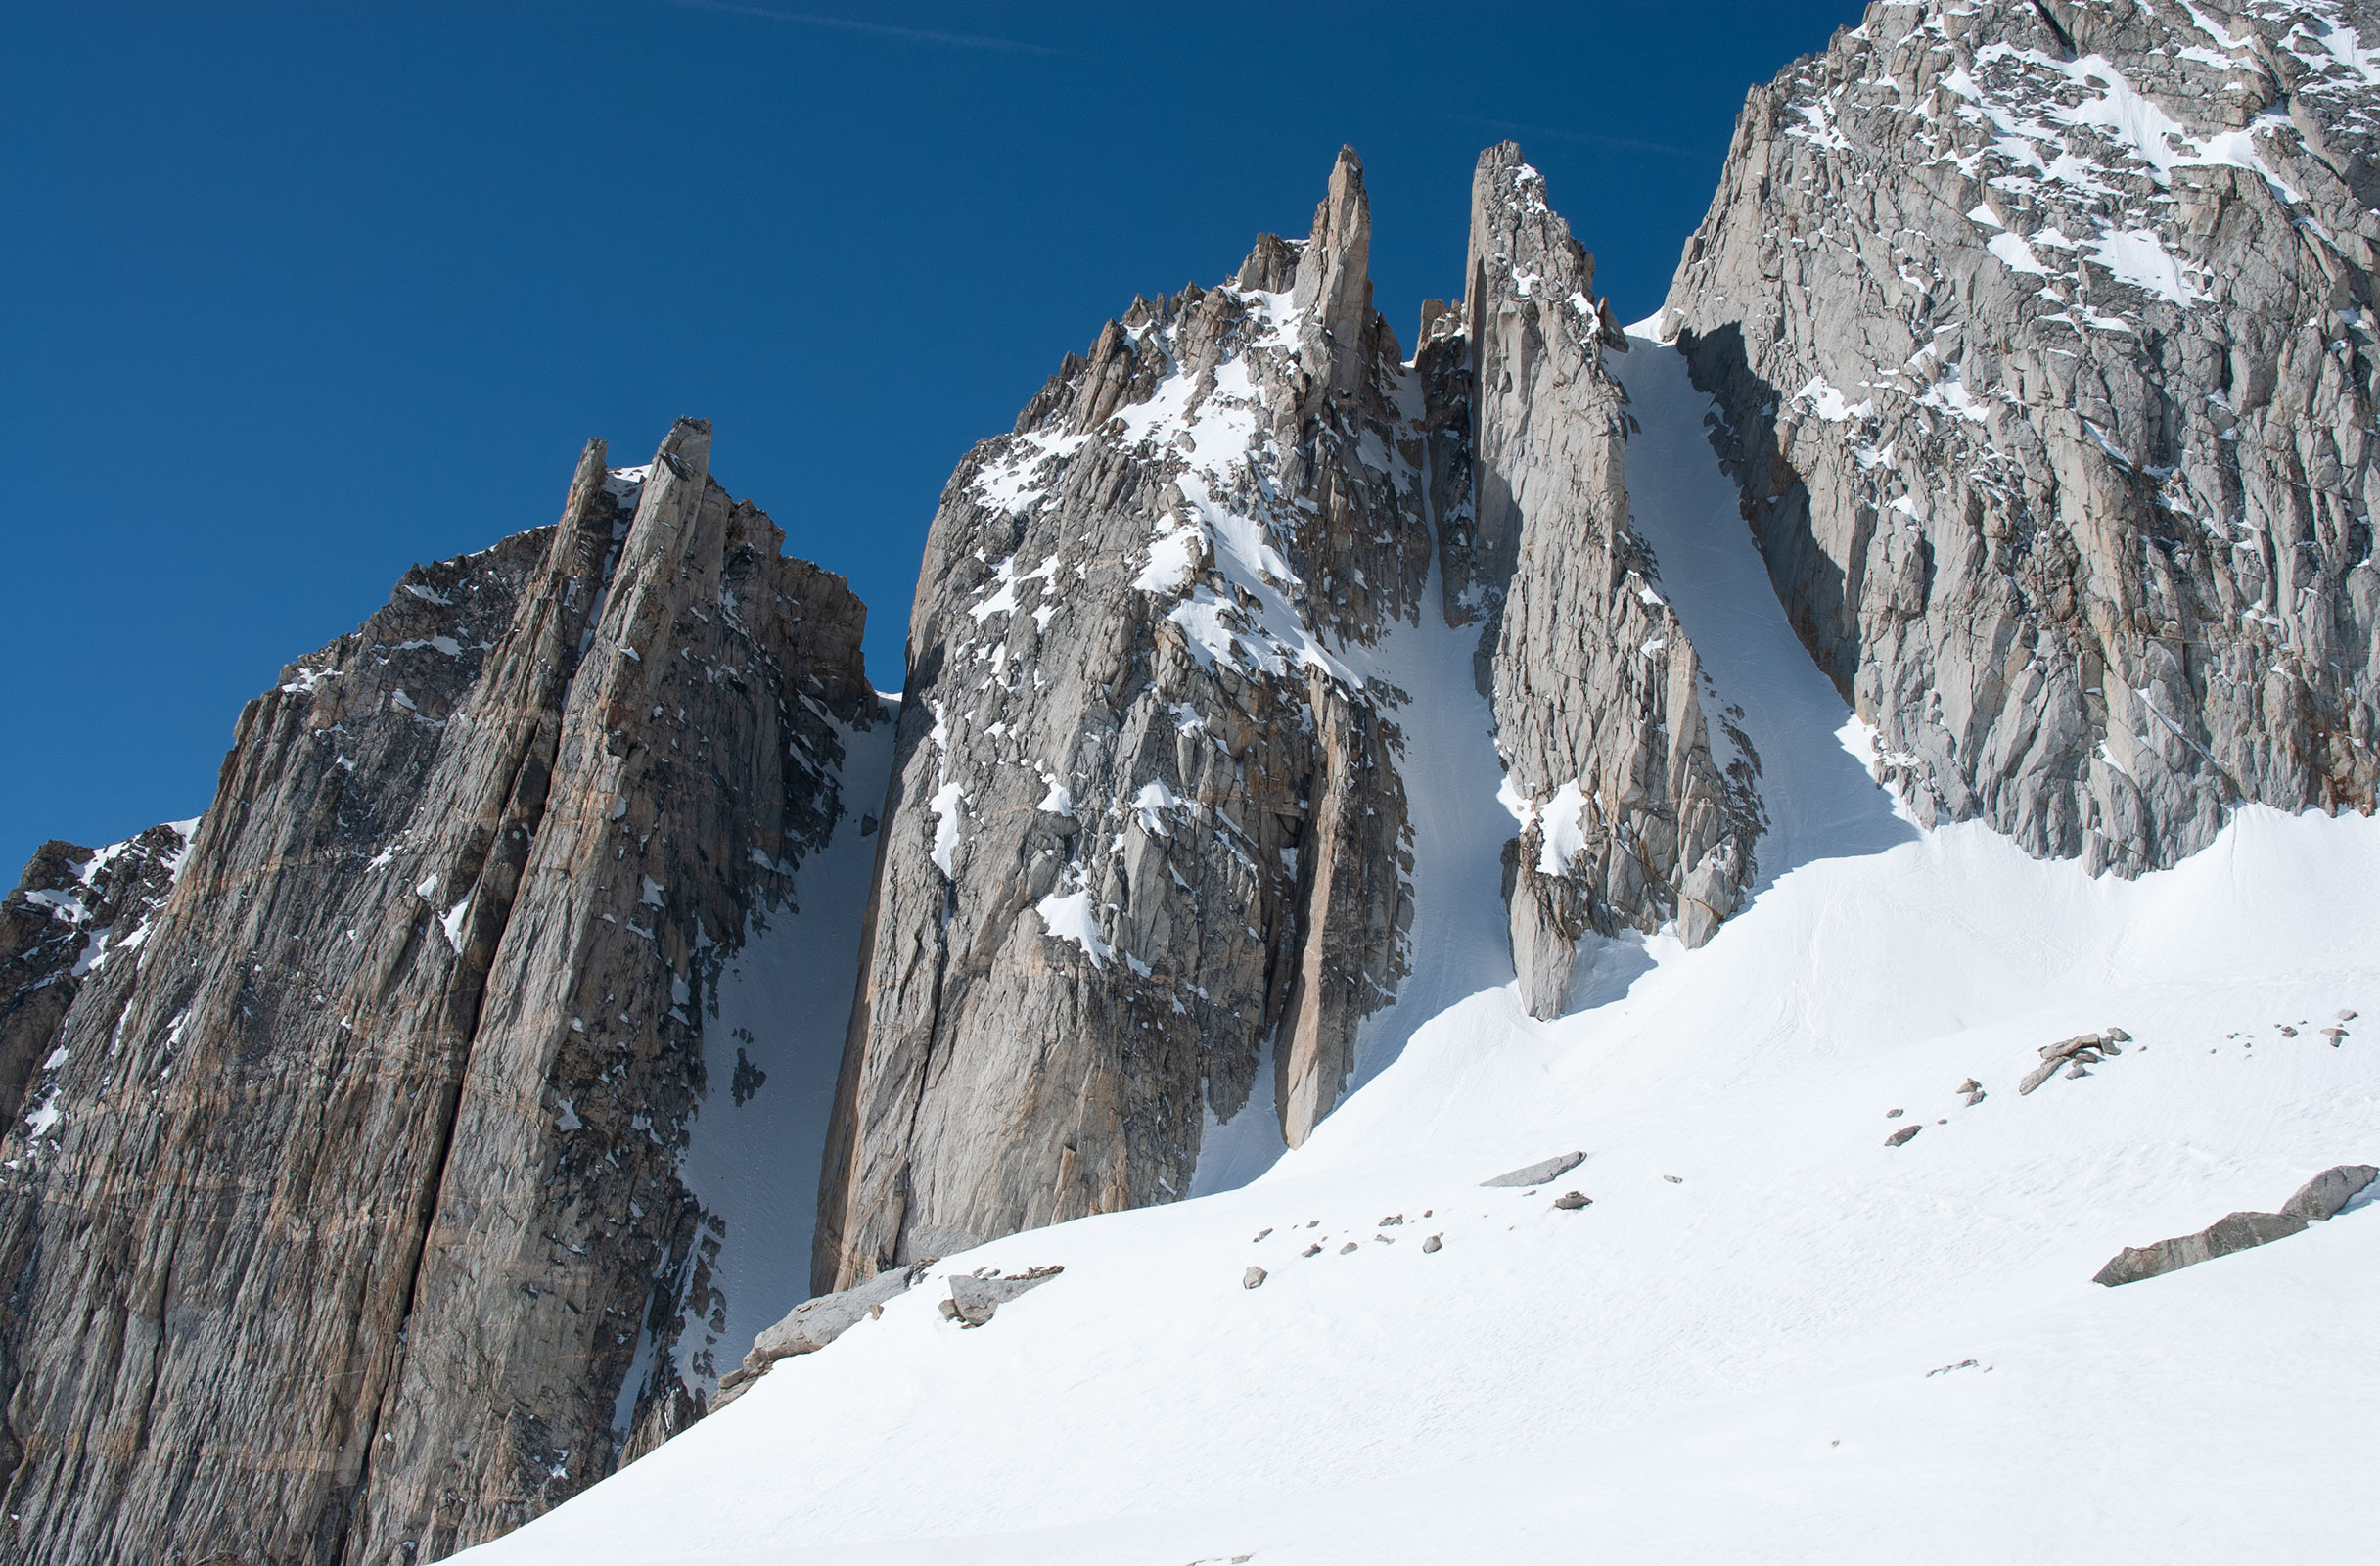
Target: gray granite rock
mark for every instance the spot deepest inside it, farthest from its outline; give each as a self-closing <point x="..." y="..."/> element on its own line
<point x="368" y="1154"/>
<point x="2236" y="1232"/>
<point x="813" y="1325"/>
<point x="1636" y="789"/>
<point x="1537" y="1173"/>
<point x="72" y="912"/>
<point x="1145" y="838"/>
<point x="2321" y="1198"/>
<point x="976" y="1296"/>
<point x="2316" y="1201"/>
<point x="2045" y="340"/>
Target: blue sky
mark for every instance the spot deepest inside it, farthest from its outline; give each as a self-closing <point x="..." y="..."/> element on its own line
<point x="300" y="294"/>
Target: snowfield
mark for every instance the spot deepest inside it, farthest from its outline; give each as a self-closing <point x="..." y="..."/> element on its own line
<point x="1770" y="1337"/>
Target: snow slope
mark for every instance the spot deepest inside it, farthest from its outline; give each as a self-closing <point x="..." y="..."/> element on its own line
<point x="1734" y="1364"/>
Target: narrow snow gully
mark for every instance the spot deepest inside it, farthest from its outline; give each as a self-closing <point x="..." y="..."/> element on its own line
<point x="1822" y="802"/>
<point x="771" y="1047"/>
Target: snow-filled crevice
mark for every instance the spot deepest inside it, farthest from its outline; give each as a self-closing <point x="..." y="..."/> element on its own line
<point x="772" y="1044"/>
<point x="1821" y="801"/>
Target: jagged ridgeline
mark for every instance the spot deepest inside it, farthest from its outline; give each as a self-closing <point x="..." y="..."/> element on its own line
<point x="1142" y="861"/>
<point x="537" y="1011"/>
<point x="355" y="1217"/>
<point x="2044" y="339"/>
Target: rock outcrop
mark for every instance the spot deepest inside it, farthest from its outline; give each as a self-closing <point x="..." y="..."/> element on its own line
<point x="1636" y="792"/>
<point x="73" y="909"/>
<point x="1144" y="840"/>
<point x="2318" y="1201"/>
<point x="352" y="1225"/>
<point x="813" y="1325"/>
<point x="2045" y="338"/>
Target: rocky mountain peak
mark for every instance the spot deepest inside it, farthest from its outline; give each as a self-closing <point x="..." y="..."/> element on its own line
<point x="2043" y="337"/>
<point x="1333" y="291"/>
<point x="1141" y="854"/>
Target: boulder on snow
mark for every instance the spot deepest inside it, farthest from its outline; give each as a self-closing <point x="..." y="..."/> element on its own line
<point x="2039" y="1074"/>
<point x="811" y="1325"/>
<point x="975" y="1296"/>
<point x="1253" y="1279"/>
<point x="1901" y="1135"/>
<point x="2234" y="1232"/>
<point x="2322" y="1197"/>
<point x="2316" y="1201"/>
<point x="1539" y="1172"/>
<point x="1429" y="1245"/>
<point x="1572" y="1201"/>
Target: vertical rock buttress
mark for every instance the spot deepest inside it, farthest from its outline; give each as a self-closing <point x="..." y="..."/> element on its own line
<point x="1144" y="850"/>
<point x="359" y="1200"/>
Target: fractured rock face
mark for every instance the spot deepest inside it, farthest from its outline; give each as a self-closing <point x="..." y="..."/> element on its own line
<point x="1635" y="790"/>
<point x="1145" y="823"/>
<point x="2044" y="336"/>
<point x="73" y="911"/>
<point x="369" y="1154"/>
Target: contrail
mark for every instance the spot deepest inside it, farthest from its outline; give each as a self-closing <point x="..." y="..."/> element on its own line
<point x="881" y="29"/>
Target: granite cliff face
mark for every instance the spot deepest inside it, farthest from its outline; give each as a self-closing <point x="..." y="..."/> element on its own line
<point x="1636" y="795"/>
<point x="538" y="1011"/>
<point x="2045" y="337"/>
<point x="1142" y="862"/>
<point x="351" y="1226"/>
<point x="73" y="909"/>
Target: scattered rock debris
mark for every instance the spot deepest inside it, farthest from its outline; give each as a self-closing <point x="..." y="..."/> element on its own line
<point x="1349" y="1246"/>
<point x="1260" y="1234"/>
<point x="2076" y="1054"/>
<point x="1314" y="1249"/>
<point x="1892" y="1114"/>
<point x="1675" y="1180"/>
<point x="1943" y="1371"/>
<point x="1391" y="1220"/>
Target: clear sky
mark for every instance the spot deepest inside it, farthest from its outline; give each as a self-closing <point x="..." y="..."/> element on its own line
<point x="297" y="293"/>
